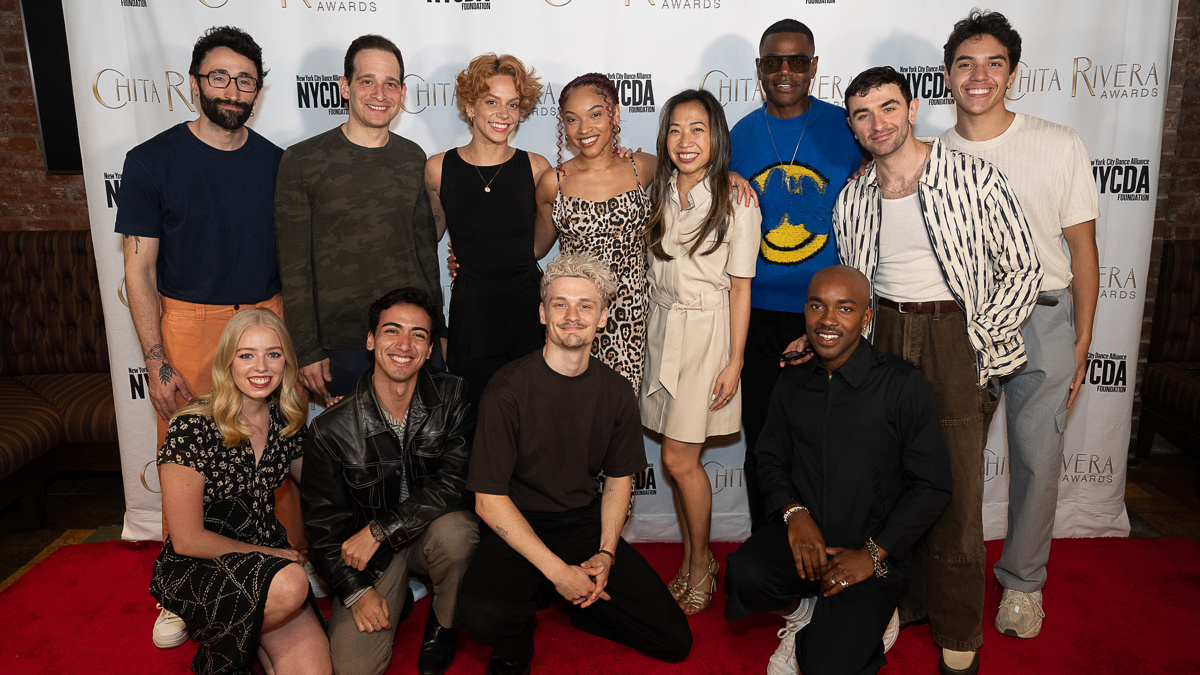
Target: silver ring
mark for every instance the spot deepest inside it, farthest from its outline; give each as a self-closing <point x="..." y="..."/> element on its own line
<point x="843" y="583"/>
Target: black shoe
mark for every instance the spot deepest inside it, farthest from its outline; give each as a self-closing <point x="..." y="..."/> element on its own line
<point x="498" y="666"/>
<point x="438" y="648"/>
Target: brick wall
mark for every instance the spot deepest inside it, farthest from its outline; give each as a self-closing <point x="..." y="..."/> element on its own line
<point x="29" y="199"/>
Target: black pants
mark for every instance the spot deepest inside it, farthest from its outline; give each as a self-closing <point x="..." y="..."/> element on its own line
<point x="769" y="333"/>
<point x="498" y="598"/>
<point x="846" y="631"/>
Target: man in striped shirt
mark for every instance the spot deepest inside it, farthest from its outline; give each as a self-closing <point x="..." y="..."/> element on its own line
<point x="943" y="239"/>
<point x="1049" y="169"/>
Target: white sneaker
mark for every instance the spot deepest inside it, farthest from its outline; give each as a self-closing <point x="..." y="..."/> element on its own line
<point x="320" y="589"/>
<point x="783" y="661"/>
<point x="418" y="589"/>
<point x="169" y="630"/>
<point x="892" y="632"/>
<point x="1020" y="614"/>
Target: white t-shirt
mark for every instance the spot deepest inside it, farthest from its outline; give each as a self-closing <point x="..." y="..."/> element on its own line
<point x="908" y="269"/>
<point x="1050" y="171"/>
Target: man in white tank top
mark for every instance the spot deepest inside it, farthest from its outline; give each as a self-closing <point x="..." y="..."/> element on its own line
<point x="945" y="241"/>
<point x="1049" y="169"/>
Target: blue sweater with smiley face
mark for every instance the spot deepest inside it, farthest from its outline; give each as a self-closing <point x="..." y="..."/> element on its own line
<point x="795" y="197"/>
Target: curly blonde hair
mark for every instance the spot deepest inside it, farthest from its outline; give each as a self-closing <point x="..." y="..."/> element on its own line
<point x="223" y="404"/>
<point x="472" y="82"/>
<point x="581" y="266"/>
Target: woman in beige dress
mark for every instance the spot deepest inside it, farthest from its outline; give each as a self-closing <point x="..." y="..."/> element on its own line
<point x="703" y="249"/>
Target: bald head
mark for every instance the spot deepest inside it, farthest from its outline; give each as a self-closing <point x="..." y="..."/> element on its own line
<point x="836" y="313"/>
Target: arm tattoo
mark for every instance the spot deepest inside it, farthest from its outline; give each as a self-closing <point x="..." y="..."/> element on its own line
<point x="156" y="353"/>
<point x="137" y="241"/>
<point x="165" y="373"/>
<point x="501" y="531"/>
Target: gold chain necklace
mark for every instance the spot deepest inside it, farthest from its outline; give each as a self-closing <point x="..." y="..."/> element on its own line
<point x="487" y="184"/>
<point x="766" y="120"/>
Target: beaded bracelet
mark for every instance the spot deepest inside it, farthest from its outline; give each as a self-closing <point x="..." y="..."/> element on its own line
<point x="788" y="514"/>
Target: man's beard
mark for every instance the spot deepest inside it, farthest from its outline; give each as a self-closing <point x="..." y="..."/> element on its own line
<point x="228" y="120"/>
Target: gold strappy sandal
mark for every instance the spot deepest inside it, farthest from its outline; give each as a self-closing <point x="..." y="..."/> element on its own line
<point x="699" y="597"/>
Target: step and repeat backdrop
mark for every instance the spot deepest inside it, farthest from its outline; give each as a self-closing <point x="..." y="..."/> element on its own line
<point x="1099" y="66"/>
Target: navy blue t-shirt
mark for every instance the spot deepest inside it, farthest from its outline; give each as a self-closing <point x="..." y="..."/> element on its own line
<point x="795" y="198"/>
<point x="213" y="212"/>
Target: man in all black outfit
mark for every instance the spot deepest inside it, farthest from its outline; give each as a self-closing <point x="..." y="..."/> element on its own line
<point x="383" y="495"/>
<point x="853" y="470"/>
<point x="549" y="424"/>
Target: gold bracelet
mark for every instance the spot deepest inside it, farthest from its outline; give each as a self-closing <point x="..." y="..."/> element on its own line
<point x="612" y="558"/>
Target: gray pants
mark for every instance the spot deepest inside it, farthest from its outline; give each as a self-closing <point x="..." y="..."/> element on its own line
<point x="1035" y="400"/>
<point x="441" y="554"/>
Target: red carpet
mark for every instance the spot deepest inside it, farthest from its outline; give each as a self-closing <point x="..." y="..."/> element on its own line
<point x="1113" y="606"/>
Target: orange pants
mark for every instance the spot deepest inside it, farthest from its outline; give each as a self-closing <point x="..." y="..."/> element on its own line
<point x="190" y="333"/>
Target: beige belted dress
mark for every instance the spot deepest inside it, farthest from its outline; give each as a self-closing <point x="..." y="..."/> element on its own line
<point x="688" y="320"/>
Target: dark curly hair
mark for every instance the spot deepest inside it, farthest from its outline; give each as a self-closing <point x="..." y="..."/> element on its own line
<point x="407" y="296"/>
<point x="607" y="91"/>
<point x="227" y="36"/>
<point x="977" y="23"/>
<point x="878" y="76"/>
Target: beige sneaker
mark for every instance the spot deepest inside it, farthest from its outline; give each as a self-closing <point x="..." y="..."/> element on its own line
<point x="783" y="661"/>
<point x="1020" y="614"/>
<point x="892" y="632"/>
<point x="169" y="630"/>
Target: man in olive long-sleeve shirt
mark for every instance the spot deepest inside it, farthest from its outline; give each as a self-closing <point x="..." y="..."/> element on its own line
<point x="853" y="470"/>
<point x="352" y="221"/>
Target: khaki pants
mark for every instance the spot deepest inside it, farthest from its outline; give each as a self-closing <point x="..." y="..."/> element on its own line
<point x="441" y="554"/>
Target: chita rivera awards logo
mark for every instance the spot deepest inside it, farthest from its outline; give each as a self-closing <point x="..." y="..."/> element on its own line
<point x="730" y="86"/>
<point x="320" y="92"/>
<point x="1114" y="80"/>
<point x="1118" y="283"/>
<point x="424" y="94"/>
<point x="114" y="89"/>
<point x="635" y="91"/>
<point x="928" y="83"/>
<point x="994" y="464"/>
<point x="721" y="477"/>
<point x="661" y="4"/>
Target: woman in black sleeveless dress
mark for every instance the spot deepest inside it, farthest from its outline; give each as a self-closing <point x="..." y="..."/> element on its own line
<point x="483" y="194"/>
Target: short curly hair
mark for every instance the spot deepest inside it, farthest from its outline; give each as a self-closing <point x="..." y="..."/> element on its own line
<point x="980" y="23"/>
<point x="581" y="266"/>
<point x="471" y="83"/>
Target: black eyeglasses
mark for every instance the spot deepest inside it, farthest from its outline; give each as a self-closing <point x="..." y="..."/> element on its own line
<point x="771" y="63"/>
<point x="219" y="79"/>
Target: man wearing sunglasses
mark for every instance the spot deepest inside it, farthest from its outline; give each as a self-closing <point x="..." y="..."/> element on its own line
<point x="196" y="212"/>
<point x="797" y="153"/>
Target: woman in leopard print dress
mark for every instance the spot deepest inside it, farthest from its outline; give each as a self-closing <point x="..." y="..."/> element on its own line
<point x="597" y="204"/>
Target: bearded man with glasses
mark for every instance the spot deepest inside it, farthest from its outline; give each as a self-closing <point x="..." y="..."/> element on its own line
<point x="196" y="210"/>
<point x="797" y="153"/>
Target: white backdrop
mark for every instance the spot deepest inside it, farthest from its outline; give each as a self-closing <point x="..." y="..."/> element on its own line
<point x="1099" y="66"/>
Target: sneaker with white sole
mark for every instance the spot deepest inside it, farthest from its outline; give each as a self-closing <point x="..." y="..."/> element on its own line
<point x="169" y="630"/>
<point x="783" y="661"/>
<point x="892" y="632"/>
<point x="1020" y="614"/>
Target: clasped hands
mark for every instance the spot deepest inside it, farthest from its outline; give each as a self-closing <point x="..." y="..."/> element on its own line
<point x="831" y="564"/>
<point x="584" y="584"/>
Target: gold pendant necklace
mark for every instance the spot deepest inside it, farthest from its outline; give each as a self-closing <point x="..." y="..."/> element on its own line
<point x="787" y="179"/>
<point x="487" y="184"/>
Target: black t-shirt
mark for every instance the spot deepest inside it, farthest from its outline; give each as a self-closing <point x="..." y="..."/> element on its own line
<point x="543" y="437"/>
<point x="213" y="212"/>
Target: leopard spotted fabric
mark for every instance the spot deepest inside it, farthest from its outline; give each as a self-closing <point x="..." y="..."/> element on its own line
<point x="612" y="231"/>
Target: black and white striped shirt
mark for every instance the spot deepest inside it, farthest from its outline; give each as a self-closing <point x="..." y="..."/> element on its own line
<point x="980" y="237"/>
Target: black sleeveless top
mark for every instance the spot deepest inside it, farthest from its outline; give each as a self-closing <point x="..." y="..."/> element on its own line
<point x="492" y="231"/>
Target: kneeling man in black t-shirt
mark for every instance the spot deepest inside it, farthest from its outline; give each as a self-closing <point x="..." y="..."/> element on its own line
<point x="549" y="424"/>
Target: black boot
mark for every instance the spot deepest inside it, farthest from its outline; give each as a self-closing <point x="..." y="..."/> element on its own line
<point x="438" y="648"/>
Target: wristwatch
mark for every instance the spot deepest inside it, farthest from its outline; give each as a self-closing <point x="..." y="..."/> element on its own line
<point x="377" y="531"/>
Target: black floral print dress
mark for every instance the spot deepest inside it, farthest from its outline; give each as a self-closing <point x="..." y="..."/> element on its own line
<point x="222" y="599"/>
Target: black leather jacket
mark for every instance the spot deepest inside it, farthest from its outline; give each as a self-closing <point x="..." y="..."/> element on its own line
<point x="352" y="473"/>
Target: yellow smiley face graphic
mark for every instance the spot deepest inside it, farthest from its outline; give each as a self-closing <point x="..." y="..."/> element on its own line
<point x="788" y="243"/>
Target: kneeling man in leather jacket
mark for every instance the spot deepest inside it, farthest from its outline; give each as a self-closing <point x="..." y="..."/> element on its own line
<point x="385" y="497"/>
